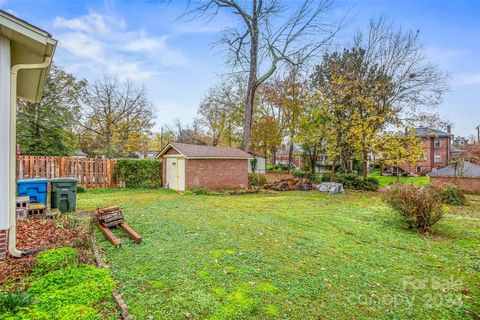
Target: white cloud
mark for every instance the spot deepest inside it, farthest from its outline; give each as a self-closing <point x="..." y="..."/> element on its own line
<point x="81" y="45"/>
<point x="146" y="44"/>
<point x="89" y="23"/>
<point x="96" y="45"/>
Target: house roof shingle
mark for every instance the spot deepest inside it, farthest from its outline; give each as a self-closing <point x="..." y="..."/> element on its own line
<point x="469" y="170"/>
<point x="427" y="132"/>
<point x="202" y="151"/>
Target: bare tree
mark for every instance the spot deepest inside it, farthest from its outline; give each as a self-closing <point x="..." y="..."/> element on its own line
<point x="265" y="39"/>
<point x="221" y="111"/>
<point x="185" y="133"/>
<point x="418" y="85"/>
<point x="117" y="118"/>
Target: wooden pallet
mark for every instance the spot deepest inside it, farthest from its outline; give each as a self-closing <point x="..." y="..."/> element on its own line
<point x="114" y="240"/>
<point x="131" y="233"/>
<point x="110" y="236"/>
<point x="112" y="217"/>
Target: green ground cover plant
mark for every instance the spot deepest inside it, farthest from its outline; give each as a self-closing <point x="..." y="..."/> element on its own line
<point x="62" y="290"/>
<point x="55" y="259"/>
<point x="290" y="255"/>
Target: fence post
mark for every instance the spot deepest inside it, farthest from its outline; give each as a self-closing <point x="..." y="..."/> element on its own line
<point x="111" y="164"/>
<point x="60" y="167"/>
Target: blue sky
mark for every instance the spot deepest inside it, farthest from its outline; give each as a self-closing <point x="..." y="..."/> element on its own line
<point x="174" y="59"/>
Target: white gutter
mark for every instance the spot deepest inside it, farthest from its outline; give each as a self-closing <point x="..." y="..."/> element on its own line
<point x="12" y="233"/>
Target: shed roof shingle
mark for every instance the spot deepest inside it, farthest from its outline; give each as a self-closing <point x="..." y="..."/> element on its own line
<point x="201" y="151"/>
<point x="469" y="170"/>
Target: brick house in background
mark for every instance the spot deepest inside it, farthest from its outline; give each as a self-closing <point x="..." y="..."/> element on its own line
<point x="190" y="166"/>
<point x="437" y="151"/>
<point x="281" y="155"/>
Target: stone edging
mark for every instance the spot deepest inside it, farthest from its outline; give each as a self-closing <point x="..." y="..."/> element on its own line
<point x="116" y="294"/>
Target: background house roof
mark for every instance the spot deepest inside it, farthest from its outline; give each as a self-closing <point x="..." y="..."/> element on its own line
<point x="201" y="151"/>
<point x="427" y="132"/>
<point x="468" y="169"/>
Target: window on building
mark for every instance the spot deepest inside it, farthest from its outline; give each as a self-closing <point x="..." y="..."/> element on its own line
<point x="438" y="158"/>
<point x="437" y="143"/>
<point x="418" y="170"/>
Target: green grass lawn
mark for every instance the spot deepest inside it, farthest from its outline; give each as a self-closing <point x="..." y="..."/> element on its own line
<point x="289" y="256"/>
<point x="386" y="180"/>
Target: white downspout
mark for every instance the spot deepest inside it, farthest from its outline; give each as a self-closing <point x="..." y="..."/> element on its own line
<point x="12" y="233"/>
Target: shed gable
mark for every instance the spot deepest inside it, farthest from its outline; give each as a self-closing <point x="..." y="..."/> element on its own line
<point x="171" y="150"/>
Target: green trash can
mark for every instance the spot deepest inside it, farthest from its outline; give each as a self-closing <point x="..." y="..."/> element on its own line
<point x="64" y="194"/>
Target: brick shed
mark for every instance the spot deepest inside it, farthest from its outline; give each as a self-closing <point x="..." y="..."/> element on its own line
<point x="466" y="176"/>
<point x="190" y="166"/>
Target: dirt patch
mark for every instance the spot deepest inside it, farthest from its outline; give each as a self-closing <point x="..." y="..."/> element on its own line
<point x="41" y="234"/>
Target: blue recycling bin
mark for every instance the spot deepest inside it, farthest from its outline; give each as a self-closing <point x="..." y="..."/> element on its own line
<point x="36" y="189"/>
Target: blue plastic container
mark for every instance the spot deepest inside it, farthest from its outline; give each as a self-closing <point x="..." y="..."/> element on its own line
<point x="36" y="189"/>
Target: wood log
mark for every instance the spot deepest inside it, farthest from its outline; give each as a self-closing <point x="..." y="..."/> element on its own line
<point x="113" y="223"/>
<point x="112" y="216"/>
<point x="110" y="236"/>
<point x="108" y="209"/>
<point x="131" y="233"/>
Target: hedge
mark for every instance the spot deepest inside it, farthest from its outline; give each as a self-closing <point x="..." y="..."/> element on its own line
<point x="145" y="173"/>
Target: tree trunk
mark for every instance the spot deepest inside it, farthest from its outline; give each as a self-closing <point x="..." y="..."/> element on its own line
<point x="274" y="156"/>
<point x="332" y="174"/>
<point x="313" y="160"/>
<point x="252" y="85"/>
<point x="365" y="166"/>
<point x="290" y="157"/>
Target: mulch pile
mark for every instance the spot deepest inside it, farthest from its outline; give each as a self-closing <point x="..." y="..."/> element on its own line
<point x="43" y="234"/>
<point x="290" y="184"/>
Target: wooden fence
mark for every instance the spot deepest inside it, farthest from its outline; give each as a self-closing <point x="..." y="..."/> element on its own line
<point x="276" y="176"/>
<point x="91" y="173"/>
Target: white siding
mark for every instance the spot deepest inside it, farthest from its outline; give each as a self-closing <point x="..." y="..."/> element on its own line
<point x="260" y="168"/>
<point x="5" y="197"/>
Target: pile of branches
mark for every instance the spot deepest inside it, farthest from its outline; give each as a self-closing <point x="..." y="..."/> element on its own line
<point x="290" y="184"/>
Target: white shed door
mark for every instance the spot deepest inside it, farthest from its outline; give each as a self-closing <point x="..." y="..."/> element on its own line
<point x="180" y="174"/>
<point x="175" y="173"/>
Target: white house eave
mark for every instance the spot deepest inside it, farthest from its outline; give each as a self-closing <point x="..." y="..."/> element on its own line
<point x="33" y="46"/>
<point x="12" y="24"/>
<point x="165" y="149"/>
